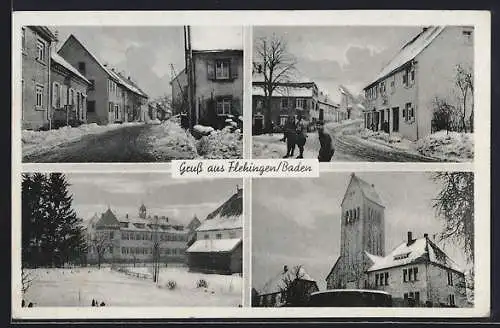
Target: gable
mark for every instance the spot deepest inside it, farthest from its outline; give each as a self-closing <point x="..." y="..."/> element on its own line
<point x="352" y="188"/>
<point x="73" y="45"/>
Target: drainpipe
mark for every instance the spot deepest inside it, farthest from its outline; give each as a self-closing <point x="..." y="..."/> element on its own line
<point x="49" y="96"/>
<point x="416" y="92"/>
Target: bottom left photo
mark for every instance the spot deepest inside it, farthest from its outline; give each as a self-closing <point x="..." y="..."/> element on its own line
<point x="130" y="239"/>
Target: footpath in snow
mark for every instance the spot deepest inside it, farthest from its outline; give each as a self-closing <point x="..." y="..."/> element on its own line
<point x="78" y="286"/>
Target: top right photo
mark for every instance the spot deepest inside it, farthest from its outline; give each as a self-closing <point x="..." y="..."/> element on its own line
<point x="363" y="93"/>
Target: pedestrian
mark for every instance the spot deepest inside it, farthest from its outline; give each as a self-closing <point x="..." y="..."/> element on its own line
<point x="290" y="136"/>
<point x="93" y="302"/>
<point x="326" y="149"/>
<point x="301" y="136"/>
<point x="30" y="305"/>
<point x="103" y="304"/>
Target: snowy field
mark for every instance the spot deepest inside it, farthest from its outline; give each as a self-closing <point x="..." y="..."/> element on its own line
<point x="40" y="140"/>
<point x="77" y="287"/>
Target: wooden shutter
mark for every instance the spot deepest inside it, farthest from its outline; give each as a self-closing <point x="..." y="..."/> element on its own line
<point x="61" y="96"/>
<point x="233" y="68"/>
<point x="211" y="70"/>
<point x="55" y="90"/>
<point x="64" y="100"/>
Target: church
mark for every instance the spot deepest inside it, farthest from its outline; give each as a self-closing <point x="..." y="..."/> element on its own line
<point x="415" y="273"/>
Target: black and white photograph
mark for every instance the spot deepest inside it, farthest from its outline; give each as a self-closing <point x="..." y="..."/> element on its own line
<point x="131" y="93"/>
<point x="363" y="93"/>
<point x="138" y="239"/>
<point x="364" y="239"/>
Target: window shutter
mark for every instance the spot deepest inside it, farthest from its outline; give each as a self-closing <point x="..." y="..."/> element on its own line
<point x="73" y="93"/>
<point x="65" y="95"/>
<point x="211" y="70"/>
<point x="233" y="69"/>
<point x="55" y="90"/>
<point x="61" y="96"/>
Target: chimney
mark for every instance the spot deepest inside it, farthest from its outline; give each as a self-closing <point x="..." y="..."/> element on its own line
<point x="105" y="64"/>
<point x="373" y="186"/>
<point x="126" y="215"/>
<point x="128" y="78"/>
<point x="285" y="268"/>
<point x="425" y="29"/>
<point x="410" y="239"/>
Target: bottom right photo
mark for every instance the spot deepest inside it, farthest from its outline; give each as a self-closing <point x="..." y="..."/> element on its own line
<point x="364" y="239"/>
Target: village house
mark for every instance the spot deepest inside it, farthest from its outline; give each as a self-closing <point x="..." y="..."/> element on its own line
<point x="416" y="273"/>
<point x="218" y="86"/>
<point x="350" y="104"/>
<point x="400" y="99"/>
<point x="133" y="238"/>
<point x="291" y="287"/>
<point x="328" y="110"/>
<point x="112" y="97"/>
<point x="36" y="44"/>
<point x="219" y="239"/>
<point x="69" y="93"/>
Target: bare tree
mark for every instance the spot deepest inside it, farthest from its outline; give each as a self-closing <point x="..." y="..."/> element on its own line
<point x="293" y="290"/>
<point x="464" y="82"/>
<point x="276" y="65"/>
<point x="26" y="280"/>
<point x="443" y="115"/>
<point x="101" y="243"/>
<point x="455" y="205"/>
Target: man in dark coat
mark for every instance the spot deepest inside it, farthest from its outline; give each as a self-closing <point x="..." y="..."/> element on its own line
<point x="290" y="136"/>
<point x="326" y="149"/>
<point x="301" y="136"/>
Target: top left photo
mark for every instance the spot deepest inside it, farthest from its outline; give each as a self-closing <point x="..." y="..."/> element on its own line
<point x="93" y="94"/>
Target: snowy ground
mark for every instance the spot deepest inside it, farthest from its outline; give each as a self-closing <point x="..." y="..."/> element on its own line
<point x="448" y="146"/>
<point x="77" y="287"/>
<point x="35" y="141"/>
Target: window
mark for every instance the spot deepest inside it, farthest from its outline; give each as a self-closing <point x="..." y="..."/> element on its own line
<point x="299" y="103"/>
<point x="409" y="113"/>
<point x="55" y="95"/>
<point x="284" y="103"/>
<point x="410" y="274"/>
<point x="81" y="67"/>
<point x="218" y="236"/>
<point x="224" y="106"/>
<point x="110" y="106"/>
<point x="381" y="276"/>
<point x="450" y="278"/>
<point x="415" y="274"/>
<point x="92" y="84"/>
<point x="206" y="236"/>
<point x="39" y="95"/>
<point x="91" y="106"/>
<point x="283" y="119"/>
<point x="40" y="48"/>
<point x="222" y="69"/>
<point x="23" y="39"/>
<point x="259" y="104"/>
<point x="467" y="34"/>
<point x="451" y="298"/>
<point x="386" y="278"/>
<point x="111" y="235"/>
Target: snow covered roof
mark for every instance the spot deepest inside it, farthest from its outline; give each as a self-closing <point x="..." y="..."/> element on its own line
<point x="421" y="249"/>
<point x="214" y="245"/>
<point x="61" y="61"/>
<point x="409" y="51"/>
<point x="278" y="282"/>
<point x="367" y="189"/>
<point x="285" y="91"/>
<point x="227" y="216"/>
<point x="110" y="72"/>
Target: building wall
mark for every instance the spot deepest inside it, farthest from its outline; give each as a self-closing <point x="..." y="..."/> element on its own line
<point x="437" y="70"/>
<point x="34" y="73"/>
<point x="70" y="82"/>
<point x="75" y="53"/>
<point x="277" y="112"/>
<point x="207" y="90"/>
<point x="226" y="234"/>
<point x="440" y="290"/>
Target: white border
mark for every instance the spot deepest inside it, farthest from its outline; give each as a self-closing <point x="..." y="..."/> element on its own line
<point x="481" y="166"/>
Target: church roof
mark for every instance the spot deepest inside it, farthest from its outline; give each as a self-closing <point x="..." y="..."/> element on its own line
<point x="419" y="250"/>
<point x="278" y="282"/>
<point x="367" y="189"/>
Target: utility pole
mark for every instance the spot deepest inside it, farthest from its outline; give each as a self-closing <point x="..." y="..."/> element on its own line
<point x="190" y="73"/>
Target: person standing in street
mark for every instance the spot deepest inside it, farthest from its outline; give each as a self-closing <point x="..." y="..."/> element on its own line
<point x="290" y="136"/>
<point x="326" y="149"/>
<point x="301" y="136"/>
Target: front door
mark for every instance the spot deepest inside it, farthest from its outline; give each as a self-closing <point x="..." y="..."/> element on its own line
<point x="382" y="119"/>
<point x="258" y="125"/>
<point x="111" y="112"/>
<point x="395" y="119"/>
<point x="388" y="126"/>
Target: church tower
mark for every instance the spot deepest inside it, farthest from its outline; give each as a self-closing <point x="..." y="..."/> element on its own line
<point x="362" y="230"/>
<point x="142" y="212"/>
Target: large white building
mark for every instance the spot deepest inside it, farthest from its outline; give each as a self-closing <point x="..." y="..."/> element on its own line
<point x="415" y="273"/>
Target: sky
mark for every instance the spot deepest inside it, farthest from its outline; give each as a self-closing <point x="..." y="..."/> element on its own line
<point x="146" y="52"/>
<point x="179" y="199"/>
<point x="297" y="221"/>
<point x="339" y="55"/>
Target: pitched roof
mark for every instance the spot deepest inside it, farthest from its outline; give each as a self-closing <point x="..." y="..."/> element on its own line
<point x="108" y="219"/>
<point x="214" y="245"/>
<point x="421" y="249"/>
<point x="409" y="51"/>
<point x="227" y="216"/>
<point x="61" y="61"/>
<point x="278" y="282"/>
<point x="110" y="72"/>
<point x="367" y="189"/>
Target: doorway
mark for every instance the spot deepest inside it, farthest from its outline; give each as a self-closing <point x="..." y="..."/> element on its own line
<point x="395" y="119"/>
<point x="258" y="124"/>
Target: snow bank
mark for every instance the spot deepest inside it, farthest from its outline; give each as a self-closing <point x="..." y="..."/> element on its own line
<point x="221" y="144"/>
<point x="380" y="135"/>
<point x="37" y="140"/>
<point x="448" y="146"/>
<point x="168" y="140"/>
<point x="201" y="130"/>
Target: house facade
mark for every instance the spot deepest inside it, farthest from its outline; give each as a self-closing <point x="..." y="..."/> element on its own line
<point x="291" y="287"/>
<point x="328" y="110"/>
<point x="111" y="97"/>
<point x="36" y="44"/>
<point x="68" y="93"/>
<point x="219" y="240"/>
<point x="401" y="97"/>
<point x="218" y="86"/>
<point x="133" y="238"/>
<point x="416" y="273"/>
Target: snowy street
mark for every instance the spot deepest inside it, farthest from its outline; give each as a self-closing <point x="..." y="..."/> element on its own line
<point x="77" y="287"/>
<point x="348" y="147"/>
